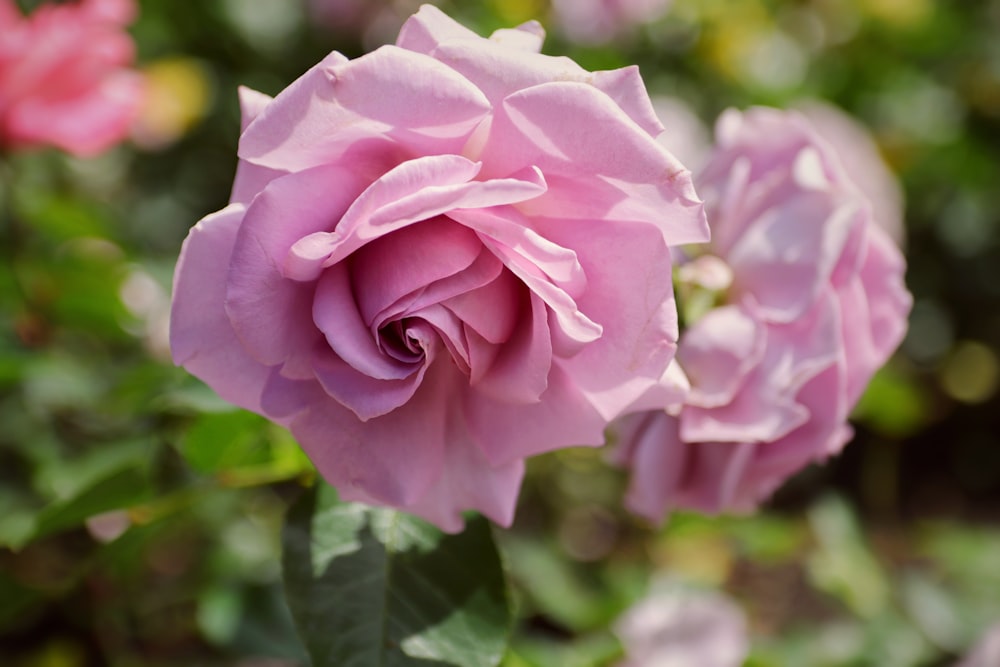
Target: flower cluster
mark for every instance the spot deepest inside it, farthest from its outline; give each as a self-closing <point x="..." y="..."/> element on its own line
<point x="454" y="253"/>
<point x="805" y="301"/>
<point x="440" y="258"/>
<point x="64" y="76"/>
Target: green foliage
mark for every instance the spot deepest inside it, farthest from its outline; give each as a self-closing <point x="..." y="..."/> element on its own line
<point x="380" y="587"/>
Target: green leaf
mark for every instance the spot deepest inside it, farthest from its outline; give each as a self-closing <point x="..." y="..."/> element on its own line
<point x="225" y="440"/>
<point x="120" y="489"/>
<point x="379" y="587"/>
<point x="843" y="565"/>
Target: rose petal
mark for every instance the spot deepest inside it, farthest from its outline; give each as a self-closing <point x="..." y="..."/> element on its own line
<point x="423" y="31"/>
<point x="422" y="105"/>
<point x="271" y="313"/>
<point x="365" y="396"/>
<point x="789" y="254"/>
<point x="409" y="259"/>
<point x="718" y="352"/>
<point x="526" y="37"/>
<point x="506" y="432"/>
<point x="658" y="460"/>
<point x="599" y="164"/>
<point x="336" y="314"/>
<point x="629" y="294"/>
<point x="201" y="336"/>
<point x="520" y="370"/>
<point x="490" y="309"/>
<point x="412" y="192"/>
<point x="377" y="459"/>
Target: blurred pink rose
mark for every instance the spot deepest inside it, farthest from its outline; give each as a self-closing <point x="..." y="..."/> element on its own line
<point x="372" y="22"/>
<point x="815" y="306"/>
<point x="440" y="258"/>
<point x="861" y="158"/>
<point x="986" y="652"/>
<point x="64" y="77"/>
<point x="596" y="21"/>
<point x="679" y="626"/>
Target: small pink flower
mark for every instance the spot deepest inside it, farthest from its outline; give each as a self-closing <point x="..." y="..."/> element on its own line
<point x="677" y="626"/>
<point x="816" y="305"/>
<point x="64" y="77"/>
<point x="440" y="258"/>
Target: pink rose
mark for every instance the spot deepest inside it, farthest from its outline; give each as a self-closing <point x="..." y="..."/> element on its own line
<point x="816" y="304"/>
<point x="596" y="21"/>
<point x="440" y="258"/>
<point x="64" y="77"/>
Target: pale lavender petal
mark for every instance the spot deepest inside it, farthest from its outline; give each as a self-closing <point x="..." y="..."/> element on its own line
<point x="718" y="352"/>
<point x="507" y="432"/>
<point x="629" y="294"/>
<point x="271" y="313"/>
<point x="201" y="337"/>
<point x="572" y="132"/>
<point x="420" y="104"/>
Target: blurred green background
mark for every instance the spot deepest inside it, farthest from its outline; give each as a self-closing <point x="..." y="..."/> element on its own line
<point x="139" y="514"/>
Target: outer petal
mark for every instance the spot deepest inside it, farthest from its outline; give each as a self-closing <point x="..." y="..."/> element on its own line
<point x="423" y="31"/>
<point x="598" y="163"/>
<point x="201" y="336"/>
<point x="377" y="459"/>
<point x="250" y="178"/>
<point x="506" y="432"/>
<point x="469" y="481"/>
<point x="629" y="294"/>
<point x="888" y="299"/>
<point x="658" y="459"/>
<point x="412" y="99"/>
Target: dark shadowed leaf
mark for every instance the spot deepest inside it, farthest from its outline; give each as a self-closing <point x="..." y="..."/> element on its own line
<point x="378" y="587"/>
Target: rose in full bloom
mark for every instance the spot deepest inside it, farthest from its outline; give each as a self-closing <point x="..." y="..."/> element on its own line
<point x="64" y="76"/>
<point x="805" y="301"/>
<point x="440" y="258"/>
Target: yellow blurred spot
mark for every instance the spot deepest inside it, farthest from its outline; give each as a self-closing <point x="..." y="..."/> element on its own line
<point x="899" y="13"/>
<point x="701" y="557"/>
<point x="178" y="95"/>
<point x="970" y="372"/>
<point x="58" y="653"/>
<point x="517" y="11"/>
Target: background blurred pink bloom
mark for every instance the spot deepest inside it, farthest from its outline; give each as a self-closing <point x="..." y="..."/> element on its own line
<point x="374" y="22"/>
<point x="816" y="305"/>
<point x="986" y="652"/>
<point x="679" y="626"/>
<point x="596" y="21"/>
<point x="64" y="77"/>
<point x="425" y="273"/>
<point x="686" y="135"/>
<point x="862" y="160"/>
